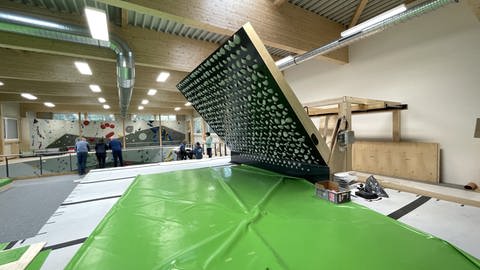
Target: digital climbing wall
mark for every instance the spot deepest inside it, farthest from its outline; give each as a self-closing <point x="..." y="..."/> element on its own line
<point x="244" y="98"/>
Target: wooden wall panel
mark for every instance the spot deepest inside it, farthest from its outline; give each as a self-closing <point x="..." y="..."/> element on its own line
<point x="408" y="160"/>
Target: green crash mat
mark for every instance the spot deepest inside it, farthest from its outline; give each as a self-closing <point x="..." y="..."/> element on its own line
<point x="241" y="217"/>
<point x="38" y="261"/>
<point x="5" y="181"/>
<point x="11" y="255"/>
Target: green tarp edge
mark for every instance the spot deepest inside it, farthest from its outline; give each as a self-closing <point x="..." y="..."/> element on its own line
<point x="3" y="245"/>
<point x="38" y="261"/>
<point x="5" y="181"/>
<point x="11" y="255"/>
<point x="240" y="217"/>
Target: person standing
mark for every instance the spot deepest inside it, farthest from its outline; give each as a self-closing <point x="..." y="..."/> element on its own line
<point x="116" y="147"/>
<point x="101" y="152"/>
<point x="182" y="152"/>
<point x="82" y="148"/>
<point x="208" y="144"/>
<point x="198" y="151"/>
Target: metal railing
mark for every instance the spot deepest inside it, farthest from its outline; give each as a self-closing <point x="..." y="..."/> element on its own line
<point x="51" y="163"/>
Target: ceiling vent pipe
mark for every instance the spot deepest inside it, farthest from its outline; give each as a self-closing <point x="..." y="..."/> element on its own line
<point x="22" y="24"/>
<point x="408" y="14"/>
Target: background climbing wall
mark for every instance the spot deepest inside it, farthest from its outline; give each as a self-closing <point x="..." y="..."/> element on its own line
<point x="62" y="134"/>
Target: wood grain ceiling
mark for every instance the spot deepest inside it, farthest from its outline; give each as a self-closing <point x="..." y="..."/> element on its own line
<point x="45" y="67"/>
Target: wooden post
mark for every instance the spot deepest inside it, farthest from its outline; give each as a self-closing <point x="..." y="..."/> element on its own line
<point x="124" y="133"/>
<point x="396" y="126"/>
<point x="345" y="110"/>
<point x="204" y="129"/>
<point x="160" y="139"/>
<point x="80" y="130"/>
<point x="192" y="136"/>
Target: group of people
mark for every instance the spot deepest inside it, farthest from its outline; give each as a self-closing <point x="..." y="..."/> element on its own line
<point x="197" y="151"/>
<point x="82" y="148"/>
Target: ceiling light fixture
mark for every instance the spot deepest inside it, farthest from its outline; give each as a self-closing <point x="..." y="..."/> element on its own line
<point x="97" y="22"/>
<point x="1" y="83"/>
<point x="28" y="96"/>
<point x="145" y="101"/>
<point x="140" y="107"/>
<point x="188" y="104"/>
<point x="49" y="104"/>
<point x="163" y="76"/>
<point x="106" y="107"/>
<point x="177" y="109"/>
<point x="101" y="100"/>
<point x="83" y="68"/>
<point x="95" y="88"/>
<point x="366" y="24"/>
<point x="151" y="92"/>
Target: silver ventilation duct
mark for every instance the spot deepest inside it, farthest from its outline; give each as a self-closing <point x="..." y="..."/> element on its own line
<point x="23" y="24"/>
<point x="410" y="13"/>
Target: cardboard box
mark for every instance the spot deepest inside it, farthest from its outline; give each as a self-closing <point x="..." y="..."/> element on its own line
<point x="330" y="191"/>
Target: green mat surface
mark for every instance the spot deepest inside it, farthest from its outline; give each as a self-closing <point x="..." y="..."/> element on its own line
<point x="3" y="245"/>
<point x="240" y="217"/>
<point x="11" y="255"/>
<point x="5" y="181"/>
<point x="38" y="261"/>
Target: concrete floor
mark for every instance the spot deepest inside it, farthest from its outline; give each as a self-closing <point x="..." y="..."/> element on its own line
<point x="28" y="204"/>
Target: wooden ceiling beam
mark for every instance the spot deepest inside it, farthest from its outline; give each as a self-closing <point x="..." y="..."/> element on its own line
<point x="358" y="13"/>
<point x="288" y="27"/>
<point x="62" y="108"/>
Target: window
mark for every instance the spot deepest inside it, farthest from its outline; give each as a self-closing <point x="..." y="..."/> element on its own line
<point x="10" y="129"/>
<point x="101" y="117"/>
<point x="65" y="116"/>
<point x="171" y="117"/>
<point x="144" y="117"/>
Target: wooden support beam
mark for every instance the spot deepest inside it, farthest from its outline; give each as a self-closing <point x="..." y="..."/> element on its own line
<point x="396" y="126"/>
<point x="358" y="12"/>
<point x="124" y="15"/>
<point x="278" y="27"/>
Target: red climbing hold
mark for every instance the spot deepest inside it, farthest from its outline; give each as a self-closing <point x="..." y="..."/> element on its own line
<point x="86" y="122"/>
<point x="107" y="125"/>
<point x="102" y="126"/>
<point x="112" y="126"/>
<point x="109" y="135"/>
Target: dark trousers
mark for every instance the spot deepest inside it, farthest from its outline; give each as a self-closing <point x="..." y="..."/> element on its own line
<point x="117" y="156"/>
<point x="81" y="162"/>
<point x="101" y="159"/>
<point x="209" y="152"/>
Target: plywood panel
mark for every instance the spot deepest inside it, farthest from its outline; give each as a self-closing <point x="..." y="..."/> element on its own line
<point x="409" y="160"/>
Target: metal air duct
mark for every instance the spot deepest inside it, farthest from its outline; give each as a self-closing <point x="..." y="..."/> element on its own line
<point x="410" y="13"/>
<point x="22" y="24"/>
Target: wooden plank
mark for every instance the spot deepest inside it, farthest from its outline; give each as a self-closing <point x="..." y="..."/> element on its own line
<point x="278" y="26"/>
<point x="25" y="259"/>
<point x="409" y="160"/>
<point x="475" y="6"/>
<point x="426" y="189"/>
<point x="279" y="3"/>
<point x="358" y="12"/>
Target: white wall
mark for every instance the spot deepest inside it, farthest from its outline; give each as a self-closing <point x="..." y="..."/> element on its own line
<point x="430" y="63"/>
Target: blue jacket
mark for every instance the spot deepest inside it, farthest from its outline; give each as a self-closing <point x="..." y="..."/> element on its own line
<point x="198" y="151"/>
<point x="82" y="146"/>
<point x="115" y="145"/>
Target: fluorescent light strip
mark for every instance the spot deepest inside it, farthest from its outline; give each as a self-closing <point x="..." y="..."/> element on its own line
<point x="95" y="88"/>
<point x="177" y="109"/>
<point x="97" y="22"/>
<point x="145" y="101"/>
<point x="2" y="84"/>
<point x="163" y="76"/>
<point x="49" y="104"/>
<point x="101" y="100"/>
<point x="106" y="107"/>
<point x="188" y="104"/>
<point x="28" y="96"/>
<point x="151" y="92"/>
<point x="140" y="107"/>
<point x="83" y="68"/>
<point x="364" y="25"/>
